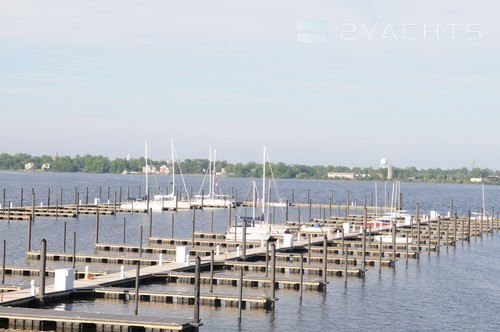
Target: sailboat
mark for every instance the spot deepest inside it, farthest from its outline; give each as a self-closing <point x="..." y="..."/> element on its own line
<point x="257" y="228"/>
<point x="212" y="199"/>
<point x="159" y="202"/>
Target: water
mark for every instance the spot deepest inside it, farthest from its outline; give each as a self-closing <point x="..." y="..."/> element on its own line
<point x="455" y="289"/>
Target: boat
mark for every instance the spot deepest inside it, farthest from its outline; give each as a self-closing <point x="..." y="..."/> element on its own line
<point x="212" y="199"/>
<point x="257" y="228"/>
<point x="159" y="202"/>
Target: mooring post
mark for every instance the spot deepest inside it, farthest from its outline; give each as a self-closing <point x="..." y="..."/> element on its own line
<point x="429" y="231"/>
<point x="77" y="204"/>
<point x="244" y="238"/>
<point x="29" y="234"/>
<point x="173" y="225"/>
<point x="418" y="230"/>
<point x="439" y="234"/>
<point x="32" y="205"/>
<point x="346" y="259"/>
<point x="124" y="228"/>
<point x="363" y="265"/>
<point x="194" y="222"/>
<point x="491" y="217"/>
<point x="197" y="291"/>
<point x="137" y="275"/>
<point x="229" y="221"/>
<point x="64" y="236"/>
<point x="273" y="273"/>
<point x="309" y="249"/>
<point x="286" y="212"/>
<point x="455" y="230"/>
<point x="140" y="244"/>
<point x="48" y="199"/>
<point x="301" y="274"/>
<point x="325" y="259"/>
<point x="240" y="294"/>
<point x="267" y="258"/>
<point x="22" y="197"/>
<point x="3" y="199"/>
<point x="43" y="269"/>
<point x="114" y="205"/>
<point x="3" y="260"/>
<point x="212" y="271"/>
<point x="468" y="226"/>
<point x="97" y="227"/>
<point x="61" y="196"/>
<point x="394" y="241"/>
<point x="74" y="250"/>
<point x="150" y="222"/>
<point x="310" y="207"/>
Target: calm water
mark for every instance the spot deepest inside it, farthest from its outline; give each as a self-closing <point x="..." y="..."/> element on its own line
<point x="455" y="289"/>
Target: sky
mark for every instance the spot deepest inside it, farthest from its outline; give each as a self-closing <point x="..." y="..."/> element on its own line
<point x="344" y="82"/>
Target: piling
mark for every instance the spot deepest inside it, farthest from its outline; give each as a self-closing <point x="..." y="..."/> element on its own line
<point x="194" y="221"/>
<point x="124" y="228"/>
<point x="64" y="236"/>
<point x="301" y="274"/>
<point x="137" y="274"/>
<point x="418" y="228"/>
<point x="197" y="272"/>
<point x="43" y="269"/>
<point x="3" y="260"/>
<point x="29" y="235"/>
<point x="74" y="250"/>
<point x="240" y="294"/>
<point x="173" y="216"/>
<point x="325" y="259"/>
<point x="97" y="228"/>
<point x="212" y="271"/>
<point x="140" y="244"/>
<point x="273" y="274"/>
<point x="150" y="222"/>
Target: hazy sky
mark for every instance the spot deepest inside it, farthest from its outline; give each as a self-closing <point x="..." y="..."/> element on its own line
<point x="416" y="82"/>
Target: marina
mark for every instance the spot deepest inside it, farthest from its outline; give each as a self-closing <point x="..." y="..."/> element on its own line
<point x="315" y="261"/>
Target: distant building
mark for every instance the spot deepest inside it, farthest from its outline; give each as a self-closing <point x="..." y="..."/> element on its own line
<point x="164" y="169"/>
<point x="46" y="166"/>
<point x="149" y="169"/>
<point x="341" y="175"/>
<point x="476" y="180"/>
<point x="29" y="166"/>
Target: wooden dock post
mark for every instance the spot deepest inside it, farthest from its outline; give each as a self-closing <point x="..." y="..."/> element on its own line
<point x="309" y="249"/>
<point x="140" y="243"/>
<point x="77" y="204"/>
<point x="455" y="230"/>
<point x="193" y="230"/>
<point x="137" y="274"/>
<point x="325" y="259"/>
<point x="394" y="230"/>
<point x="97" y="227"/>
<point x="173" y="216"/>
<point x="22" y="197"/>
<point x="244" y="238"/>
<point x="4" y="252"/>
<point x="468" y="226"/>
<point x="114" y="205"/>
<point x="48" y="199"/>
<point x="3" y="199"/>
<point x="212" y="222"/>
<point x="61" y="196"/>
<point x="86" y="196"/>
<point x="43" y="269"/>
<point x="197" y="272"/>
<point x="124" y="229"/>
<point x="64" y="237"/>
<point x="74" y="250"/>
<point x="439" y="234"/>
<point x="267" y="258"/>
<point x="346" y="259"/>
<point x="301" y="275"/>
<point x="33" y="205"/>
<point x="240" y="294"/>
<point x="29" y="235"/>
<point x="212" y="271"/>
<point x="273" y="274"/>
<point x="150" y="222"/>
<point x="310" y="206"/>
<point x="418" y="229"/>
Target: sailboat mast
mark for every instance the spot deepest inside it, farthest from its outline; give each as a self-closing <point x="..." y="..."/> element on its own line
<point x="173" y="166"/>
<point x="264" y="183"/>
<point x="146" y="169"/>
<point x="213" y="178"/>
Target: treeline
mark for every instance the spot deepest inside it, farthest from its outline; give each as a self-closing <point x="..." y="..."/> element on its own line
<point x="101" y="164"/>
